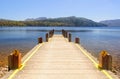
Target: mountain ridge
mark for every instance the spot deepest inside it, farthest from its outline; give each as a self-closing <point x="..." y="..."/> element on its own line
<point x="114" y="22"/>
<point x="44" y="21"/>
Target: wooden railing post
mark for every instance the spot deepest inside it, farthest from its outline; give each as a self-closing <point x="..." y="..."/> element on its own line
<point x="10" y="62"/>
<point x="77" y="40"/>
<point x="53" y="32"/>
<point x="105" y="60"/>
<point x="66" y="34"/>
<point x="49" y="34"/>
<point x="47" y="37"/>
<point x="69" y="37"/>
<point x="62" y="31"/>
<point x="17" y="59"/>
<point x="14" y="60"/>
<point x="40" y="40"/>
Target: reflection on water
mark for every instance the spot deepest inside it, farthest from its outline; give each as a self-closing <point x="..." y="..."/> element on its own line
<point x="18" y="38"/>
<point x="97" y="41"/>
<point x="93" y="39"/>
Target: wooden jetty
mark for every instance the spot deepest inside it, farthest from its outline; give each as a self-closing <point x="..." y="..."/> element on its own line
<point x="59" y="59"/>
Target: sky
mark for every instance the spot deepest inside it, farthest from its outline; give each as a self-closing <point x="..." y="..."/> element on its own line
<point x="96" y="10"/>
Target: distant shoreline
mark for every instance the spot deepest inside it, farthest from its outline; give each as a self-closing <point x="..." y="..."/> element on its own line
<point x="62" y="21"/>
<point x="58" y="26"/>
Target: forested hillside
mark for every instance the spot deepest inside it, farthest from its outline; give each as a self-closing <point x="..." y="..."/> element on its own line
<point x="62" y="21"/>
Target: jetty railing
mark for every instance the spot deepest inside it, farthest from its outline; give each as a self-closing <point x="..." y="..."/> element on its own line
<point x="47" y="37"/>
<point x="69" y="37"/>
<point x="105" y="59"/>
<point x="51" y="33"/>
<point x="14" y="59"/>
<point x="40" y="40"/>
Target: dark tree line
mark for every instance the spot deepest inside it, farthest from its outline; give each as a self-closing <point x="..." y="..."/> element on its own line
<point x="63" y="21"/>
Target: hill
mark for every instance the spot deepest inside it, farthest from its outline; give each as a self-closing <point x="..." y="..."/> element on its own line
<point x="115" y="22"/>
<point x="43" y="21"/>
<point x="35" y="19"/>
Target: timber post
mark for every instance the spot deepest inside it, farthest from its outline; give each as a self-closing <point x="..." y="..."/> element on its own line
<point x="105" y="60"/>
<point x="47" y="37"/>
<point x="51" y="33"/>
<point x="69" y="37"/>
<point x="77" y="40"/>
<point x="64" y="33"/>
<point x="14" y="60"/>
<point x="40" y="40"/>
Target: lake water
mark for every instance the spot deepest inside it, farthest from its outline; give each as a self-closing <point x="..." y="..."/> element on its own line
<point x="94" y="39"/>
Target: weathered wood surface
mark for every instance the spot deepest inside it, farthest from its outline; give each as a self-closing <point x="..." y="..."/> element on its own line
<point x="59" y="59"/>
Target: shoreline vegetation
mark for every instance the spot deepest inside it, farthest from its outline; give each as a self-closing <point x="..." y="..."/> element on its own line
<point x="62" y="21"/>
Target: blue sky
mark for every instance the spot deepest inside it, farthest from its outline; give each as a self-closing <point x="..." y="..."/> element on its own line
<point x="92" y="9"/>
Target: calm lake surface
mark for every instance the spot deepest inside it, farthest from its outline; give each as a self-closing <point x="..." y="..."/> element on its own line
<point x="94" y="39"/>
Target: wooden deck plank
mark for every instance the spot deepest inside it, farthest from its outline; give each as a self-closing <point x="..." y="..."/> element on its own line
<point x="59" y="59"/>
